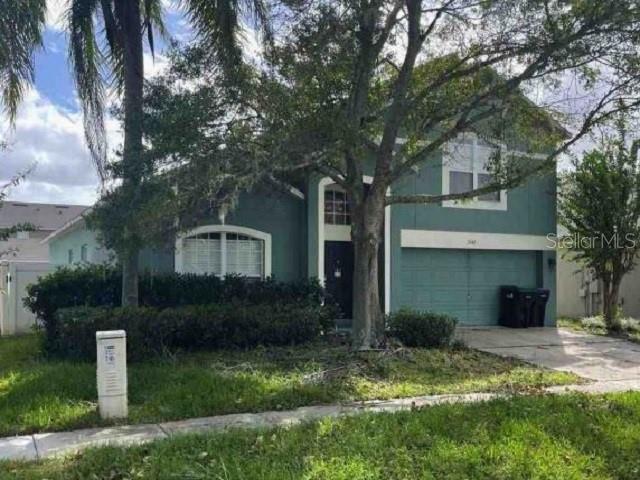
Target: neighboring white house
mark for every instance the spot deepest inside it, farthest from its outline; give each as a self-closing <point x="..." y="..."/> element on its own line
<point x="24" y="258"/>
<point x="44" y="218"/>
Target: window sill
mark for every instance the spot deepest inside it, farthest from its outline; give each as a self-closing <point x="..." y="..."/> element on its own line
<point x="476" y="205"/>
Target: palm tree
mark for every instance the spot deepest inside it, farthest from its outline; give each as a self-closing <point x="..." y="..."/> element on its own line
<point x="108" y="36"/>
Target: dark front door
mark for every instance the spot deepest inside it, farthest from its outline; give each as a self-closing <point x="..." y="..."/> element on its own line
<point x="338" y="271"/>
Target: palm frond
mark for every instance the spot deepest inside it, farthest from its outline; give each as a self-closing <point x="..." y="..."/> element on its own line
<point x="153" y="19"/>
<point x="218" y="23"/>
<point x="86" y="60"/>
<point x="115" y="43"/>
<point x="21" y="26"/>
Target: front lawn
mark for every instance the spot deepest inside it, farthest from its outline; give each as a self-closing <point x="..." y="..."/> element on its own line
<point x="539" y="437"/>
<point x="37" y="395"/>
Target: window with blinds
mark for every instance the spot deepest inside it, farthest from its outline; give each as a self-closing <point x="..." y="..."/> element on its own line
<point x="223" y="253"/>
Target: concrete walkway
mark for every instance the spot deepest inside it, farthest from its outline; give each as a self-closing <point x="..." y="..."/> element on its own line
<point x="45" y="445"/>
<point x="593" y="357"/>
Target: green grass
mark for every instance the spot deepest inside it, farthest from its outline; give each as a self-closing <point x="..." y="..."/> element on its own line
<point x="539" y="437"/>
<point x="37" y="395"/>
<point x="595" y="326"/>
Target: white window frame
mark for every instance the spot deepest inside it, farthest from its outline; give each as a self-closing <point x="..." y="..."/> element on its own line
<point x="224" y="229"/>
<point x="476" y="169"/>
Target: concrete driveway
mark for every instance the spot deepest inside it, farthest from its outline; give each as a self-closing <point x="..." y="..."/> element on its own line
<point x="593" y="357"/>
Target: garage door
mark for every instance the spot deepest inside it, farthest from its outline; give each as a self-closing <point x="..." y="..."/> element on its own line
<point x="463" y="283"/>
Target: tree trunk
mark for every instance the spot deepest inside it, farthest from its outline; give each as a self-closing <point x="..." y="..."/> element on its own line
<point x="132" y="166"/>
<point x="129" y="262"/>
<point x="610" y="304"/>
<point x="366" y="232"/>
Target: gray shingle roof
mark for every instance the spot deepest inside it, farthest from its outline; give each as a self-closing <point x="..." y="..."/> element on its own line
<point x="42" y="216"/>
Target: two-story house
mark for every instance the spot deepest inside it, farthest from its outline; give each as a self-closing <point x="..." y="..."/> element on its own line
<point x="449" y="257"/>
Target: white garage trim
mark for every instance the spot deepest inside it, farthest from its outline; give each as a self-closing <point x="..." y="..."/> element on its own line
<point x="266" y="237"/>
<point x="472" y="240"/>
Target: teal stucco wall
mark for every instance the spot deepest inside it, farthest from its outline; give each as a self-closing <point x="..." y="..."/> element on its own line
<point x="278" y="213"/>
<point x="151" y="259"/>
<point x="74" y="240"/>
<point x="531" y="210"/>
<point x="283" y="216"/>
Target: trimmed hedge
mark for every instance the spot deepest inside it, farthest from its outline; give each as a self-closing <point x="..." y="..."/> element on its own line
<point x="152" y="331"/>
<point x="101" y="286"/>
<point x="422" y="329"/>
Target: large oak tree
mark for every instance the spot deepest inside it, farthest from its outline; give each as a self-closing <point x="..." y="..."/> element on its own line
<point x="380" y="87"/>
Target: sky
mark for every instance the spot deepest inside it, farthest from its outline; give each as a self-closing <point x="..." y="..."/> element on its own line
<point x="48" y="138"/>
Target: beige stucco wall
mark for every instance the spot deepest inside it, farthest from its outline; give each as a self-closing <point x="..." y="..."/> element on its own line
<point x="572" y="277"/>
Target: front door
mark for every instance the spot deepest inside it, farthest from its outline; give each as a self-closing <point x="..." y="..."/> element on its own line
<point x="338" y="271"/>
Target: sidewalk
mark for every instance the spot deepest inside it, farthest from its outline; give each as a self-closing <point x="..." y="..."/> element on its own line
<point x="44" y="445"/>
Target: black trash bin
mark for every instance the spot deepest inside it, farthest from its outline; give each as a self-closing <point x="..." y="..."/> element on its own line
<point x="511" y="312"/>
<point x="536" y="318"/>
<point x="517" y="306"/>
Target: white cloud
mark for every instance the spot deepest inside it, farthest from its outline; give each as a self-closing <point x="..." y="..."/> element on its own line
<point x="51" y="140"/>
<point x="56" y="10"/>
<point x="171" y="6"/>
<point x="155" y="65"/>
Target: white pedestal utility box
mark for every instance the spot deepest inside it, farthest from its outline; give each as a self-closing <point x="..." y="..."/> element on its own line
<point x="112" y="373"/>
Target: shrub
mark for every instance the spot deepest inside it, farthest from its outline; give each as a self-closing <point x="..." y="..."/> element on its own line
<point x="100" y="286"/>
<point x="422" y="329"/>
<point x="593" y="323"/>
<point x="152" y="331"/>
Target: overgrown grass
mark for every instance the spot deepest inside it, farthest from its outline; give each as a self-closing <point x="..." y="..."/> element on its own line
<point x="540" y="437"/>
<point x="596" y="326"/>
<point x="37" y="395"/>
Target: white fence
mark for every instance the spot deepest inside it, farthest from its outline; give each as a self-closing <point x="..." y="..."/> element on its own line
<point x="15" y="276"/>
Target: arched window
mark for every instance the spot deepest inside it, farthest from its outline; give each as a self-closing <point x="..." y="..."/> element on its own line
<point x="224" y="250"/>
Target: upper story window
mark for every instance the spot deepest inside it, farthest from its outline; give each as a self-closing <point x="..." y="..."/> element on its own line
<point x="22" y="235"/>
<point x="465" y="167"/>
<point x="336" y="206"/>
<point x="70" y="256"/>
<point x="224" y="253"/>
<point x="84" y="256"/>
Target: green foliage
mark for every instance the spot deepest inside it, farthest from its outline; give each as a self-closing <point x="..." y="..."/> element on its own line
<point x="154" y="332"/>
<point x="101" y="286"/>
<point x="422" y="329"/>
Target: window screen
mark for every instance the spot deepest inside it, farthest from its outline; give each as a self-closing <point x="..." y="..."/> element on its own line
<point x="244" y="255"/>
<point x="485" y="179"/>
<point x="460" y="182"/>
<point x="336" y="207"/>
